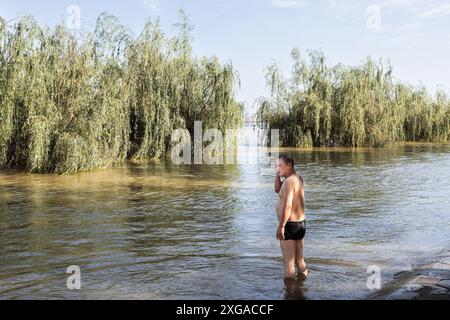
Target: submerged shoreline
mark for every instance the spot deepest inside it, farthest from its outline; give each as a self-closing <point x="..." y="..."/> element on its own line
<point x="425" y="282"/>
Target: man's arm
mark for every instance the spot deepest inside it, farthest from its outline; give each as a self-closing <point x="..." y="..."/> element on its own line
<point x="278" y="183"/>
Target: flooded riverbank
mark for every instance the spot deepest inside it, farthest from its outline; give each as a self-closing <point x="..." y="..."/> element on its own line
<point x="155" y="230"/>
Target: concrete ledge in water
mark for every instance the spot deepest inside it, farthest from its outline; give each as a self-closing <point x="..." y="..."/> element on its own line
<point x="427" y="282"/>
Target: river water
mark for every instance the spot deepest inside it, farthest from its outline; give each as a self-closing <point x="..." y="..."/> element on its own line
<point x="155" y="230"/>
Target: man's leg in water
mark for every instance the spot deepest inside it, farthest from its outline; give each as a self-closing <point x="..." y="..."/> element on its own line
<point x="288" y="248"/>
<point x="299" y="259"/>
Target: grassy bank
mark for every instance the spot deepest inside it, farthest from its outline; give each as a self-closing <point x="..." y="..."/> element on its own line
<point x="321" y="105"/>
<point x="76" y="101"/>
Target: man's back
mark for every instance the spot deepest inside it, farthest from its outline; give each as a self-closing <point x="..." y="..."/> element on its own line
<point x="295" y="182"/>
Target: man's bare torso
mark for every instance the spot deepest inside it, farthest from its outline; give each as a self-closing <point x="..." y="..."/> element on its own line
<point x="298" y="205"/>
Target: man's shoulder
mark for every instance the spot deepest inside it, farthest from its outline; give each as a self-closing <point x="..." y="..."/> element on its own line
<point x="292" y="180"/>
<point x="295" y="180"/>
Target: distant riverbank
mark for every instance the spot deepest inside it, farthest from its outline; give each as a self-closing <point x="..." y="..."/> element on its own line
<point x="337" y="105"/>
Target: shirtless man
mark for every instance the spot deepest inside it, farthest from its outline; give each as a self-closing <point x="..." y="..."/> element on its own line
<point x="290" y="210"/>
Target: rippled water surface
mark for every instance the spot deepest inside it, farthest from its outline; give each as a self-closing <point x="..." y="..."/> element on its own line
<point x="154" y="230"/>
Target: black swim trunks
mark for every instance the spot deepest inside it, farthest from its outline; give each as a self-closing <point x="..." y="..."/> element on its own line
<point x="295" y="230"/>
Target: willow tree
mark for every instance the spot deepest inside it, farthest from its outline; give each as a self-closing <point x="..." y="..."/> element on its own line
<point x="311" y="93"/>
<point x="6" y="104"/>
<point x="207" y="86"/>
<point x="27" y="108"/>
<point x="171" y="89"/>
<point x="76" y="101"/>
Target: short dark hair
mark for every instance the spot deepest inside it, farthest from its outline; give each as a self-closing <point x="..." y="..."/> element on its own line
<point x="287" y="159"/>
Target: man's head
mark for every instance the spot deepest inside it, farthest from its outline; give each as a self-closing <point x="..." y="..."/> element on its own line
<point x="285" y="165"/>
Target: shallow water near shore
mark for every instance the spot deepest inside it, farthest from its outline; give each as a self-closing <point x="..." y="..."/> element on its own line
<point x="155" y="230"/>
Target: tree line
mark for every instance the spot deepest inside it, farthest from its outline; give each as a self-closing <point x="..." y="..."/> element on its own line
<point x="321" y="105"/>
<point x="77" y="101"/>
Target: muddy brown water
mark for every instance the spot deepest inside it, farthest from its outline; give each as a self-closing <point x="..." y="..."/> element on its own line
<point x="155" y="230"/>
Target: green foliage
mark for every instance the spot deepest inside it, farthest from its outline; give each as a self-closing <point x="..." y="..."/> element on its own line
<point x="74" y="102"/>
<point x="350" y="106"/>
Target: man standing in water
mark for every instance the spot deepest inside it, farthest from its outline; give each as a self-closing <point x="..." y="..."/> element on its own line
<point x="290" y="210"/>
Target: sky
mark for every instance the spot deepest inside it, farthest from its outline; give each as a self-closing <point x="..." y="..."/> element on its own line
<point x="413" y="34"/>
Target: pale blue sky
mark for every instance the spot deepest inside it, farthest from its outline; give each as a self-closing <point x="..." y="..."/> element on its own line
<point x="413" y="34"/>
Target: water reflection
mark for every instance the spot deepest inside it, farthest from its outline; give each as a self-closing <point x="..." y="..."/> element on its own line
<point x="294" y="289"/>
